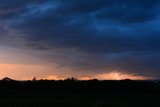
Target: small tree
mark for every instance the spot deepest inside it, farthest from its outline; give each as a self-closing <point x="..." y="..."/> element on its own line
<point x="6" y="79"/>
<point x="34" y="79"/>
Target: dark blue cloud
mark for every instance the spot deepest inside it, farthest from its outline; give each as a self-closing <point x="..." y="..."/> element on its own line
<point x="119" y="34"/>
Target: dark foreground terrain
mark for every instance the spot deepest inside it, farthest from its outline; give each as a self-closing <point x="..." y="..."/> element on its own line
<point x="73" y="93"/>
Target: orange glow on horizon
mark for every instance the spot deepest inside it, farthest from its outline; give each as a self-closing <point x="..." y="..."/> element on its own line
<point x="52" y="77"/>
<point x="23" y="72"/>
<point x="27" y="72"/>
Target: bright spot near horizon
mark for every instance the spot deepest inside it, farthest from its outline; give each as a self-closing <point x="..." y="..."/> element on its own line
<point x="120" y="76"/>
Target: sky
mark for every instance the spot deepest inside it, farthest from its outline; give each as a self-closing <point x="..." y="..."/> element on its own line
<point x="57" y="39"/>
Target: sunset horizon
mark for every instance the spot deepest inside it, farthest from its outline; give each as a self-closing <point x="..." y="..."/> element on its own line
<point x="79" y="53"/>
<point x="55" y="39"/>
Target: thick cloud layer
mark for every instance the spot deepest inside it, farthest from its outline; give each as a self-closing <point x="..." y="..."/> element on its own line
<point x="91" y="36"/>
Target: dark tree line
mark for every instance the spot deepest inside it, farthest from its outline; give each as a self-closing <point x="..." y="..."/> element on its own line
<point x="74" y="86"/>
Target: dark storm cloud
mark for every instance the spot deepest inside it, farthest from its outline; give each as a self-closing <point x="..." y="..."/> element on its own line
<point x="96" y="31"/>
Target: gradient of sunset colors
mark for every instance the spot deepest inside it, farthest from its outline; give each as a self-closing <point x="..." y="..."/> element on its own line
<point x="85" y="39"/>
<point x="20" y="65"/>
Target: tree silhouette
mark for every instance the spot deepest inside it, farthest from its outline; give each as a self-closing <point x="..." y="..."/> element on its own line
<point x="34" y="79"/>
<point x="7" y="79"/>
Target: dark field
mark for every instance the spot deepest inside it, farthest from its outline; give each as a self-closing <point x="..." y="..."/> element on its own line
<point x="73" y="93"/>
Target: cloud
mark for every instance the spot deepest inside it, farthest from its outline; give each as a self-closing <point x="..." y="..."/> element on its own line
<point x="92" y="36"/>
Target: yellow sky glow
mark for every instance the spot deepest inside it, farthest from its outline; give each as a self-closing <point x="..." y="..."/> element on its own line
<point x="120" y="76"/>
